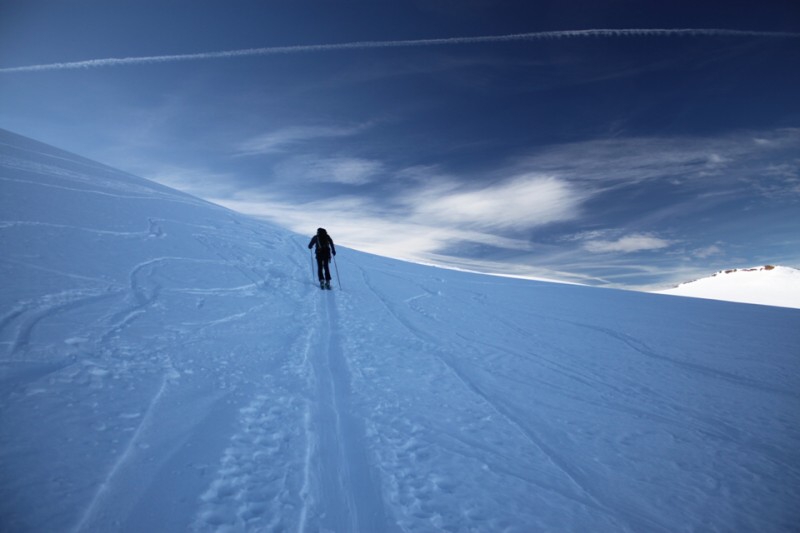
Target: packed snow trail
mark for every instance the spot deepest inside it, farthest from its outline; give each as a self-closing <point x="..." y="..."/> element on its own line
<point x="169" y="365"/>
<point x="350" y="496"/>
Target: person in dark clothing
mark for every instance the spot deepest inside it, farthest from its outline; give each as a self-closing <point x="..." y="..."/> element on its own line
<point x="325" y="250"/>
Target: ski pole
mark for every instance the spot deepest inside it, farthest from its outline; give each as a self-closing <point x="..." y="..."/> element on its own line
<point x="336" y="267"/>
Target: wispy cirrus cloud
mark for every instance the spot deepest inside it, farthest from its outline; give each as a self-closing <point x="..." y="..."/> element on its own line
<point x="740" y="160"/>
<point x="707" y="251"/>
<point x="612" y="241"/>
<point x="637" y="242"/>
<point x="634" y="160"/>
<point x="284" y="139"/>
<point x="361" y="45"/>
<point x="340" y="170"/>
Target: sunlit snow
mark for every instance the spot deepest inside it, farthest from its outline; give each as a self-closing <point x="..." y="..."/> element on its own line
<point x="765" y="285"/>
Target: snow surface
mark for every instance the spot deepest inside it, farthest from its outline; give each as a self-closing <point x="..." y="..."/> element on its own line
<point x="765" y="285"/>
<point x="169" y="365"/>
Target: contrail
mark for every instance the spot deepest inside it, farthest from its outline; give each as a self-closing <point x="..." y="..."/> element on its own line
<point x="274" y="50"/>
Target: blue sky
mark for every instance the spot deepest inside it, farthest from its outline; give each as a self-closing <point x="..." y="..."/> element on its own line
<point x="628" y="159"/>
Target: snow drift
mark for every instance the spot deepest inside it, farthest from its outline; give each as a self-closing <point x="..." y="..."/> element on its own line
<point x="169" y="365"/>
<point x="765" y="285"/>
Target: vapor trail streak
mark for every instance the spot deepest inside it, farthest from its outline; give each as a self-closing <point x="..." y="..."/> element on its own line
<point x="274" y="50"/>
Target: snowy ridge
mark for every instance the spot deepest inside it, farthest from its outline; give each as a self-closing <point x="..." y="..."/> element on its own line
<point x="765" y="285"/>
<point x="169" y="365"/>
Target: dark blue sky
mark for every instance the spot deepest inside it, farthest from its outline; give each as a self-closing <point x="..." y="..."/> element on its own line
<point x="631" y="160"/>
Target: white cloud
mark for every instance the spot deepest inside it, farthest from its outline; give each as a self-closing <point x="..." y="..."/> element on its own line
<point x="364" y="226"/>
<point x="636" y="242"/>
<point x="280" y="140"/>
<point x="435" y="213"/>
<point x="707" y="251"/>
<point x="522" y="202"/>
<point x="616" y="162"/>
<point x="627" y="161"/>
<point x="345" y="170"/>
<point x="353" y="171"/>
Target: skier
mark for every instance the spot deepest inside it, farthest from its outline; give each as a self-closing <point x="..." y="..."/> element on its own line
<point x="325" y="248"/>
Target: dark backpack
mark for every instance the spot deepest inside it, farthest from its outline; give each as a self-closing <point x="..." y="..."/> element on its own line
<point x="323" y="244"/>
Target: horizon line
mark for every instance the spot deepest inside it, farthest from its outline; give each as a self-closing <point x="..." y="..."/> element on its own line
<point x="357" y="45"/>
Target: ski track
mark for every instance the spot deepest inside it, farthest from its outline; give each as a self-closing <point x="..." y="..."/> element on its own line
<point x="425" y="499"/>
<point x="143" y="292"/>
<point x="139" y="297"/>
<point x="47" y="307"/>
<point x="151" y="231"/>
<point x="30" y="266"/>
<point x="350" y="497"/>
<point x="237" y="258"/>
<point x="592" y="496"/>
<point x="124" y="457"/>
<point x="645" y="350"/>
<point x="298" y="462"/>
<point x="642" y="348"/>
<point x="664" y="410"/>
<point x="250" y="491"/>
<point x="254" y="487"/>
<point x="260" y="481"/>
<point x="715" y="429"/>
<point x="264" y="479"/>
<point x="147" y="198"/>
<point x="324" y="482"/>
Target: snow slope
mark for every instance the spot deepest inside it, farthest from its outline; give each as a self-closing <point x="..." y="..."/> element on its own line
<point x="766" y="285"/>
<point x="168" y="365"/>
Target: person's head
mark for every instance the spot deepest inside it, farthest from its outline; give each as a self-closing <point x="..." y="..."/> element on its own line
<point x="321" y="231"/>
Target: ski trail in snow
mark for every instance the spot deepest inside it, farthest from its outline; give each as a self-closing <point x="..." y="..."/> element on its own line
<point x="592" y="496"/>
<point x="259" y="479"/>
<point x="661" y="408"/>
<point x="46" y="307"/>
<point x="645" y="350"/>
<point x="153" y="197"/>
<point x="351" y="497"/>
<point x="27" y="223"/>
<point x="298" y="462"/>
<point x="337" y="505"/>
<point x="264" y="480"/>
<point x="305" y="490"/>
<point x="107" y="483"/>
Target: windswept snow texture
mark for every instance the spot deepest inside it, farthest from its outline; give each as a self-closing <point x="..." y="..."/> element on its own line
<point x="168" y="365"/>
<point x="766" y="285"/>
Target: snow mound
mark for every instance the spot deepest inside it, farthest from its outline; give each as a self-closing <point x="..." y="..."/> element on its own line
<point x="766" y="285"/>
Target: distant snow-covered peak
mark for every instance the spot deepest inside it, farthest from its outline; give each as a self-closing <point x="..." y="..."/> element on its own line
<point x="766" y="285"/>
